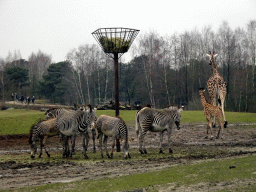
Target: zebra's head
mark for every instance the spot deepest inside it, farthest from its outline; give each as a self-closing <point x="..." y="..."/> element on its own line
<point x="91" y="116"/>
<point x="125" y="148"/>
<point x="33" y="150"/>
<point x="177" y="116"/>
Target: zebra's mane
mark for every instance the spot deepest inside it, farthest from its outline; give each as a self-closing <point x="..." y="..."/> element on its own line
<point x="120" y="118"/>
<point x="172" y="107"/>
<point x="51" y="109"/>
<point x="84" y="106"/>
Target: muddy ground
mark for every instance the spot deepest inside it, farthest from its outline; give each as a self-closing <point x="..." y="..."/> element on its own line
<point x="15" y="175"/>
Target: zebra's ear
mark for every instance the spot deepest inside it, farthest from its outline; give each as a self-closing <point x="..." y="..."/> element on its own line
<point x="94" y="110"/>
<point x="181" y="109"/>
<point x="208" y="55"/>
<point x="215" y="55"/>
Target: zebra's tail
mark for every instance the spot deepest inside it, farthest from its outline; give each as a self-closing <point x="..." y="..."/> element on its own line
<point x="31" y="133"/>
<point x="137" y="124"/>
<point x="31" y="130"/>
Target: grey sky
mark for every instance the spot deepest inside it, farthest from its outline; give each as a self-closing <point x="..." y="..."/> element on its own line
<point x="55" y="27"/>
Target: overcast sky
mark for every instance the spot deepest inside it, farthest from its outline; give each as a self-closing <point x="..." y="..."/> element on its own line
<point x="56" y="26"/>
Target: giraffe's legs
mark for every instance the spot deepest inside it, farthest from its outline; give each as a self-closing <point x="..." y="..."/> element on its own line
<point x="213" y="117"/>
<point x="220" y="129"/>
<point x="222" y="99"/>
<point x="209" y="126"/>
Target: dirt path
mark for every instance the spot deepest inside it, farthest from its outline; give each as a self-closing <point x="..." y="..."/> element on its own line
<point x="15" y="175"/>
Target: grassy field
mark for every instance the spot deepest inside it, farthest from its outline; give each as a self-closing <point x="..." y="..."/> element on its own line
<point x="209" y="173"/>
<point x="19" y="121"/>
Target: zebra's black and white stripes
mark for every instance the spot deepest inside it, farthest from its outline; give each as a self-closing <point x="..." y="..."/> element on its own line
<point x="40" y="131"/>
<point x="148" y="119"/>
<point x="70" y="123"/>
<point x="113" y="127"/>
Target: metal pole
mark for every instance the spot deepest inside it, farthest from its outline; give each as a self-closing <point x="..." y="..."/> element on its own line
<point x="116" y="95"/>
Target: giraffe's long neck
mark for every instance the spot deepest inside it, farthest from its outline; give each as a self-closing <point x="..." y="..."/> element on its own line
<point x="203" y="98"/>
<point x="215" y="70"/>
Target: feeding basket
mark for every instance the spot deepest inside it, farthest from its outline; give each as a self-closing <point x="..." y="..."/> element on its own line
<point x="115" y="40"/>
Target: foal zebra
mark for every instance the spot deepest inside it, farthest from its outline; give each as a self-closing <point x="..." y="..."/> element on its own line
<point x="113" y="127"/>
<point x="41" y="130"/>
<point x="71" y="123"/>
<point x="149" y="119"/>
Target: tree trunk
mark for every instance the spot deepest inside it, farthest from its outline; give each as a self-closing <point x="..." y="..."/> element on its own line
<point x="88" y="89"/>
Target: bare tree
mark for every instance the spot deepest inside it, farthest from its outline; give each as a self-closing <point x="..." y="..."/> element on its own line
<point x="2" y="64"/>
<point x="252" y="46"/>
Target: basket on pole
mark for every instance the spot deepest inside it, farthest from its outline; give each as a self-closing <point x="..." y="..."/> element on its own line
<point x="115" y="42"/>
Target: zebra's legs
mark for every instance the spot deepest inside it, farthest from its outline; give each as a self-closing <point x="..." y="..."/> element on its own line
<point x="161" y="141"/>
<point x="141" y="142"/>
<point x="100" y="142"/>
<point x="41" y="146"/>
<point x="113" y="146"/>
<point x="65" y="145"/>
<point x="73" y="143"/>
<point x="93" y="140"/>
<point x="169" y="140"/>
<point x="45" y="147"/>
<point x="85" y="136"/>
<point x="105" y="145"/>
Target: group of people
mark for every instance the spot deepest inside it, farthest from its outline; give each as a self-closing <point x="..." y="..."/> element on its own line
<point x="22" y="99"/>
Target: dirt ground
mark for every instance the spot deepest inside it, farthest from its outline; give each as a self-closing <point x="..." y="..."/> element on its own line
<point x="16" y="175"/>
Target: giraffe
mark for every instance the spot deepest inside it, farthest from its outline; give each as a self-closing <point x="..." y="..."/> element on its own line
<point x="211" y="110"/>
<point x="216" y="86"/>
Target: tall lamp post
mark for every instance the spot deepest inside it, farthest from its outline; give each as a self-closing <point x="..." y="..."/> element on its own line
<point x="115" y="42"/>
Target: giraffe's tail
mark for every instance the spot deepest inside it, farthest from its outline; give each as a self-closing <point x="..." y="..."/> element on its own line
<point x="219" y="101"/>
<point x="225" y="124"/>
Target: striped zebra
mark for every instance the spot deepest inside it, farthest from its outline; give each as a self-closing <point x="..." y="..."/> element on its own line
<point x="41" y="131"/>
<point x="70" y="123"/>
<point x="113" y="127"/>
<point x="53" y="112"/>
<point x="149" y="119"/>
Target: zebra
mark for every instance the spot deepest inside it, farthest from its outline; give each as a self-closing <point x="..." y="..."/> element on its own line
<point x="41" y="130"/>
<point x="70" y="123"/>
<point x="149" y="119"/>
<point x="113" y="127"/>
<point x="53" y="112"/>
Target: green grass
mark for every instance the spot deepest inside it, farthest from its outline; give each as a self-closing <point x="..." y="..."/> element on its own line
<point x="211" y="172"/>
<point x="19" y="121"/>
<point x="231" y="117"/>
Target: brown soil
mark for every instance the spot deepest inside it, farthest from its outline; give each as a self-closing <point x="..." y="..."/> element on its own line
<point x="16" y="175"/>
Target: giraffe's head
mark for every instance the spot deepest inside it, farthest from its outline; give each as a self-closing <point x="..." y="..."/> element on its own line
<point x="212" y="57"/>
<point x="201" y="90"/>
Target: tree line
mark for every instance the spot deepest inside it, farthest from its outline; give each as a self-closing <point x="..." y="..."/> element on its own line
<point x="163" y="70"/>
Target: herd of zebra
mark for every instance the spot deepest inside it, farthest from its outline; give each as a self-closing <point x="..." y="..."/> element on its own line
<point x="69" y="123"/>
